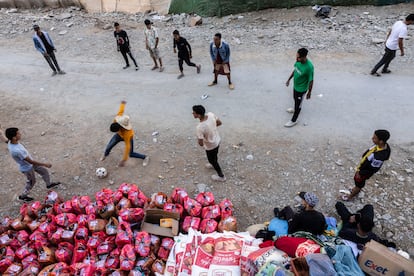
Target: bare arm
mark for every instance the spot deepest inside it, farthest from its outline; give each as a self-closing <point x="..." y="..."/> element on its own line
<point x="200" y="142"/>
<point x="309" y="94"/>
<point x="218" y="122"/>
<point x="37" y="163"/>
<point x="156" y="42"/>
<point x="401" y="45"/>
<point x="290" y="77"/>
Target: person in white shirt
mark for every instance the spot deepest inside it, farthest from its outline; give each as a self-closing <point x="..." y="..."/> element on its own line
<point x="209" y="138"/>
<point x="151" y="43"/>
<point x="395" y="41"/>
<point x="27" y="165"/>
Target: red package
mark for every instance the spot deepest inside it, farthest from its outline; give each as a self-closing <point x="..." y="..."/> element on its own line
<point x="124" y="234"/>
<point x="100" y="265"/>
<point x="131" y="215"/>
<point x="91" y="209"/>
<point x="208" y="226"/>
<point x="38" y="239"/>
<point x="158" y="267"/>
<point x="85" y="269"/>
<point x="82" y="234"/>
<point x="158" y="200"/>
<point x="80" y="251"/>
<point x="289" y="244"/>
<point x="137" y="198"/>
<point x="4" y="264"/>
<point x="56" y="237"/>
<point x="127" y="259"/>
<point x="64" y="252"/>
<point x="174" y="208"/>
<point x="205" y="198"/>
<point x="113" y="259"/>
<point x="48" y="226"/>
<point x="65" y="219"/>
<point x="142" y="243"/>
<point x="117" y="196"/>
<point x="125" y="188"/>
<point x="24" y="209"/>
<point x="33" y="225"/>
<point x="31" y="270"/>
<point x="61" y="269"/>
<point x="106" y="246"/>
<point x="32" y="258"/>
<point x="163" y="253"/>
<point x="17" y="224"/>
<point x="111" y="226"/>
<point x="166" y="246"/>
<point x="95" y="240"/>
<point x="79" y="204"/>
<point x="24" y="251"/>
<point x="191" y="222"/>
<point x="192" y="207"/>
<point x="211" y="212"/>
<point x="155" y="243"/>
<point x="105" y="195"/>
<point x="22" y="236"/>
<point x="226" y="207"/>
<point x="106" y="211"/>
<point x="34" y="209"/>
<point x="5" y="224"/>
<point x="7" y="253"/>
<point x="5" y="239"/>
<point x="178" y="195"/>
<point x="14" y="269"/>
<point x="83" y="219"/>
<point x="69" y="233"/>
<point x="46" y="255"/>
<point x="65" y="207"/>
<point x="52" y="198"/>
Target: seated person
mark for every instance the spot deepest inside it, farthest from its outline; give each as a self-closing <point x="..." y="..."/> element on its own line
<point x="357" y="227"/>
<point x="308" y="220"/>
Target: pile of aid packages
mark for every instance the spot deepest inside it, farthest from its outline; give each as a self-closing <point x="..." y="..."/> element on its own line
<point x="121" y="232"/>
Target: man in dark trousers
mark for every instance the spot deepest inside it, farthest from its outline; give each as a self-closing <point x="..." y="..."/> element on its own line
<point x="44" y="44"/>
<point x="371" y="161"/>
<point x="184" y="53"/>
<point x="395" y="41"/>
<point x="122" y="42"/>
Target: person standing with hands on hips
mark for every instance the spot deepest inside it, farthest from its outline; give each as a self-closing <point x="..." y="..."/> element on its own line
<point x="44" y="44"/>
<point x="302" y="82"/>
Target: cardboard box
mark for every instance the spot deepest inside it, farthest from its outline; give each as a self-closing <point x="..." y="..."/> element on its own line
<point x="378" y="260"/>
<point x="151" y="223"/>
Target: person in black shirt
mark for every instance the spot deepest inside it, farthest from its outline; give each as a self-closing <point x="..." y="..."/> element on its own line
<point x="357" y="227"/>
<point x="371" y="161"/>
<point x="184" y="53"/>
<point x="308" y="220"/>
<point x="44" y="44"/>
<point x="122" y="42"/>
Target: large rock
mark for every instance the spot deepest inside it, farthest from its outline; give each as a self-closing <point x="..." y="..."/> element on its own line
<point x="195" y="20"/>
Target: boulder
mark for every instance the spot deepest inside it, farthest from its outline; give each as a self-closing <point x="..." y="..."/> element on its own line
<point x="195" y="20"/>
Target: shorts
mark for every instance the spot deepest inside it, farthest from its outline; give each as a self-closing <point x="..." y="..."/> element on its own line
<point x="222" y="68"/>
<point x="154" y="53"/>
<point x="360" y="179"/>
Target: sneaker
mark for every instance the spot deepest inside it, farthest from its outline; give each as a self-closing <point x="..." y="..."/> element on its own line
<point x="146" y="161"/>
<point x="276" y="212"/>
<point x="375" y="74"/>
<point x="25" y="198"/>
<point x="180" y="76"/>
<point x="199" y="69"/>
<point x="290" y="124"/>
<point x="290" y="110"/>
<point x="212" y="83"/>
<point x="103" y="157"/>
<point x="53" y="184"/>
<point x="61" y="72"/>
<point x="125" y="67"/>
<point x="136" y="68"/>
<point x="209" y="166"/>
<point x="386" y="71"/>
<point x="161" y="69"/>
<point x="54" y="73"/>
<point x="231" y="86"/>
<point x="218" y="178"/>
<point x="154" y="68"/>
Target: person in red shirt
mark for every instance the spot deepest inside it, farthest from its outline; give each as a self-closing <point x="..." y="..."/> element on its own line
<point x="123" y="132"/>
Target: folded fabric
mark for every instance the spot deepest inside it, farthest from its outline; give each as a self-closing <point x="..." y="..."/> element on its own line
<point x="345" y="263"/>
<point x="289" y="244"/>
<point x="320" y="264"/>
<point x="279" y="226"/>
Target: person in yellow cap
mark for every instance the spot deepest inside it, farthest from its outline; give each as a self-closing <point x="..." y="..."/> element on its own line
<point x="123" y="132"/>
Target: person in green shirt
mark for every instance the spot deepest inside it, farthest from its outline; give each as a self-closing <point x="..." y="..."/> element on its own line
<point x="302" y="82"/>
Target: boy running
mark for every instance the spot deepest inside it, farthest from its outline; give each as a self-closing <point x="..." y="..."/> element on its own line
<point x="184" y="53"/>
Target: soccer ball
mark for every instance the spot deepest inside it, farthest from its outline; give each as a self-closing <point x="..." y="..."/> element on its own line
<point x="101" y="172"/>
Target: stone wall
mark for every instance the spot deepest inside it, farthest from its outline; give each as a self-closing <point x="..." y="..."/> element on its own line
<point x="30" y="4"/>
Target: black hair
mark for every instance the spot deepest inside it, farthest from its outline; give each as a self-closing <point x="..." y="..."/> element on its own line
<point x="115" y="127"/>
<point x="147" y="22"/>
<point x="116" y="24"/>
<point x="382" y="135"/>
<point x="11" y="132"/>
<point x="218" y="35"/>
<point x="176" y="32"/>
<point x="199" y="109"/>
<point x="303" y="52"/>
<point x="410" y="17"/>
<point x="366" y="225"/>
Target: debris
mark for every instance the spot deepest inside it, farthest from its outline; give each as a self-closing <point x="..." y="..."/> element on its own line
<point x="63" y="32"/>
<point x="195" y="20"/>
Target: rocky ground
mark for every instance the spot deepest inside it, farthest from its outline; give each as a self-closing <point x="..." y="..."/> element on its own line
<point x="64" y="119"/>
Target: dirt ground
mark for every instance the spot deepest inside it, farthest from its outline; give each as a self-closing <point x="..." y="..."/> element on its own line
<point x="65" y="119"/>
